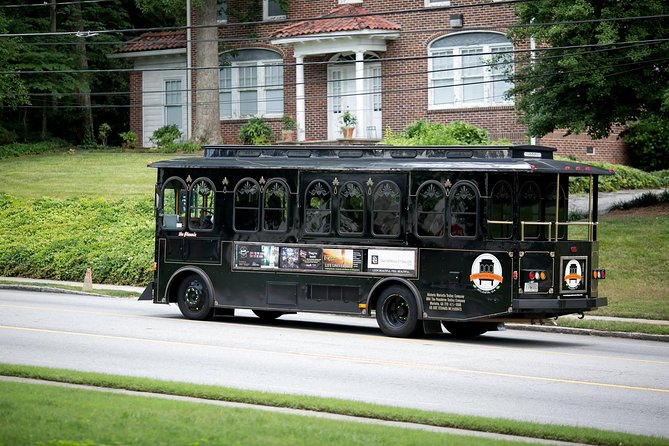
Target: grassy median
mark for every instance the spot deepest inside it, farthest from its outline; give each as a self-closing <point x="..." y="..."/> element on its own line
<point x="122" y="420"/>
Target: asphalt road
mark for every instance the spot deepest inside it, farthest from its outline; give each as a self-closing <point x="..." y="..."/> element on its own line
<point x="608" y="383"/>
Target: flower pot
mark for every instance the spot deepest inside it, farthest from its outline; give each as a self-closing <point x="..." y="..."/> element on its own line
<point x="347" y="132"/>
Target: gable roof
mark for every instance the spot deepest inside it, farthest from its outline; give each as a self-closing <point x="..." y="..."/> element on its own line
<point x="164" y="40"/>
<point x="343" y="18"/>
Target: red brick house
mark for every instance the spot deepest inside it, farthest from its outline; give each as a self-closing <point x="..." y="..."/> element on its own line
<point x="388" y="62"/>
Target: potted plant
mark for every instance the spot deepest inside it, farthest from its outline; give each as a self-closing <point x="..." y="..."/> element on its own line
<point x="349" y="121"/>
<point x="288" y="132"/>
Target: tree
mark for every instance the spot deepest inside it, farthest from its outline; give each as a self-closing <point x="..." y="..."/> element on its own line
<point x="598" y="64"/>
<point x="12" y="89"/>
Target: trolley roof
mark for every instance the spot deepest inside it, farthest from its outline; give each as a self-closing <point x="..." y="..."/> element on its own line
<point x="519" y="158"/>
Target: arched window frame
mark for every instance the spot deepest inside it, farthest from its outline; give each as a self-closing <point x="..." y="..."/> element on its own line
<point x="345" y="189"/>
<point x="323" y="213"/>
<point x="505" y="231"/>
<point x="180" y="214"/>
<point x="455" y="217"/>
<point x="249" y="184"/>
<point x="271" y="188"/>
<point x="460" y="64"/>
<point x="384" y="187"/>
<point x="201" y="213"/>
<point x="428" y="188"/>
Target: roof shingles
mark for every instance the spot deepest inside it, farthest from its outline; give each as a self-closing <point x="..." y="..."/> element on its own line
<point x="341" y="19"/>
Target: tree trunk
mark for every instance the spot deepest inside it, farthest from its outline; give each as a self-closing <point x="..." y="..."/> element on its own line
<point x="207" y="125"/>
<point x="84" y="96"/>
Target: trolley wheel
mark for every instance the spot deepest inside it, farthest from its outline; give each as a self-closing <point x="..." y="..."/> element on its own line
<point x="194" y="298"/>
<point x="397" y="312"/>
<point x="466" y="329"/>
<point x="268" y="315"/>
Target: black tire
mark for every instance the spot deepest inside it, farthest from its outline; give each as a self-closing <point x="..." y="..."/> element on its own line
<point x="466" y="329"/>
<point x="268" y="315"/>
<point x="397" y="312"/>
<point x="194" y="298"/>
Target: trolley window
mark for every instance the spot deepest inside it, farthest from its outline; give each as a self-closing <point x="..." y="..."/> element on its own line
<point x="173" y="205"/>
<point x="275" y="206"/>
<point x="351" y="209"/>
<point x="386" y="209"/>
<point x="463" y="209"/>
<point x="430" y="210"/>
<point x="202" y="197"/>
<point x="318" y="208"/>
<point x="500" y="211"/>
<point x="247" y="205"/>
<point x="530" y="210"/>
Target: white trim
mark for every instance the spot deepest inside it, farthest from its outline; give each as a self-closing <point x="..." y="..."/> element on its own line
<point x="435" y="3"/>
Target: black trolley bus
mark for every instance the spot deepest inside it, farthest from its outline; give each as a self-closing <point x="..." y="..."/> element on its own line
<point x="464" y="238"/>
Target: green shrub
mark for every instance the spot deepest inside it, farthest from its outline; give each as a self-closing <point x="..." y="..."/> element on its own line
<point x="166" y="137"/>
<point x="256" y="132"/>
<point x="59" y="239"/>
<point x="7" y="136"/>
<point x="103" y="133"/>
<point x="624" y="177"/>
<point x="422" y="133"/>
<point x="129" y="140"/>
<point x="648" y="143"/>
<point x="34" y="148"/>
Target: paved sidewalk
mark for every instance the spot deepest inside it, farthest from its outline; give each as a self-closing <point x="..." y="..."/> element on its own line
<point x="579" y="202"/>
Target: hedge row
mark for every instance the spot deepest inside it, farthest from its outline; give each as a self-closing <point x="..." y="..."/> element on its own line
<point x="625" y="177"/>
<point x="59" y="239"/>
<point x="35" y="148"/>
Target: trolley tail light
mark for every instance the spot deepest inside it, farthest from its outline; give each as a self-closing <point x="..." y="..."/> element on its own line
<point x="599" y="274"/>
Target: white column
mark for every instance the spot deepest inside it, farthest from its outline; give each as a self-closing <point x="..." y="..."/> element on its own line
<point x="359" y="94"/>
<point x="300" y="110"/>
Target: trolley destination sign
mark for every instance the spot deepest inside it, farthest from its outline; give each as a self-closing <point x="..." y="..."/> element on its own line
<point x="422" y="238"/>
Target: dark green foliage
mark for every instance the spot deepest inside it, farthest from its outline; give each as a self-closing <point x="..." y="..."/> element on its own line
<point x="601" y="69"/>
<point x="21" y="149"/>
<point x="165" y="137"/>
<point x="624" y="178"/>
<point x="256" y="132"/>
<point x="59" y="239"/>
<point x="645" y="200"/>
<point x="423" y="133"/>
<point x="648" y="143"/>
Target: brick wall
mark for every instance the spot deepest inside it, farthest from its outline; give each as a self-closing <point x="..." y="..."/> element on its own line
<point x="136" y="121"/>
<point x="404" y="73"/>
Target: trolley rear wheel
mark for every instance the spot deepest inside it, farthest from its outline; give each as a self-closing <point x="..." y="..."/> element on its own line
<point x="397" y="312"/>
<point x="194" y="298"/>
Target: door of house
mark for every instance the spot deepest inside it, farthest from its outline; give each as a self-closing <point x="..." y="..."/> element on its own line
<point x="342" y="96"/>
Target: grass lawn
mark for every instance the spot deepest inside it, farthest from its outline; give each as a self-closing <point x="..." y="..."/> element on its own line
<point x="82" y="174"/>
<point x="42" y="414"/>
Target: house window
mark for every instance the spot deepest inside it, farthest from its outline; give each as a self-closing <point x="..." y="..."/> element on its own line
<point x="272" y="10"/>
<point x="251" y="83"/>
<point x="429" y="3"/>
<point x="469" y="70"/>
<point x="173" y="103"/>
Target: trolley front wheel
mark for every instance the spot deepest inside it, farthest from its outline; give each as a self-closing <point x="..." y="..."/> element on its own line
<point x="194" y="298"/>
